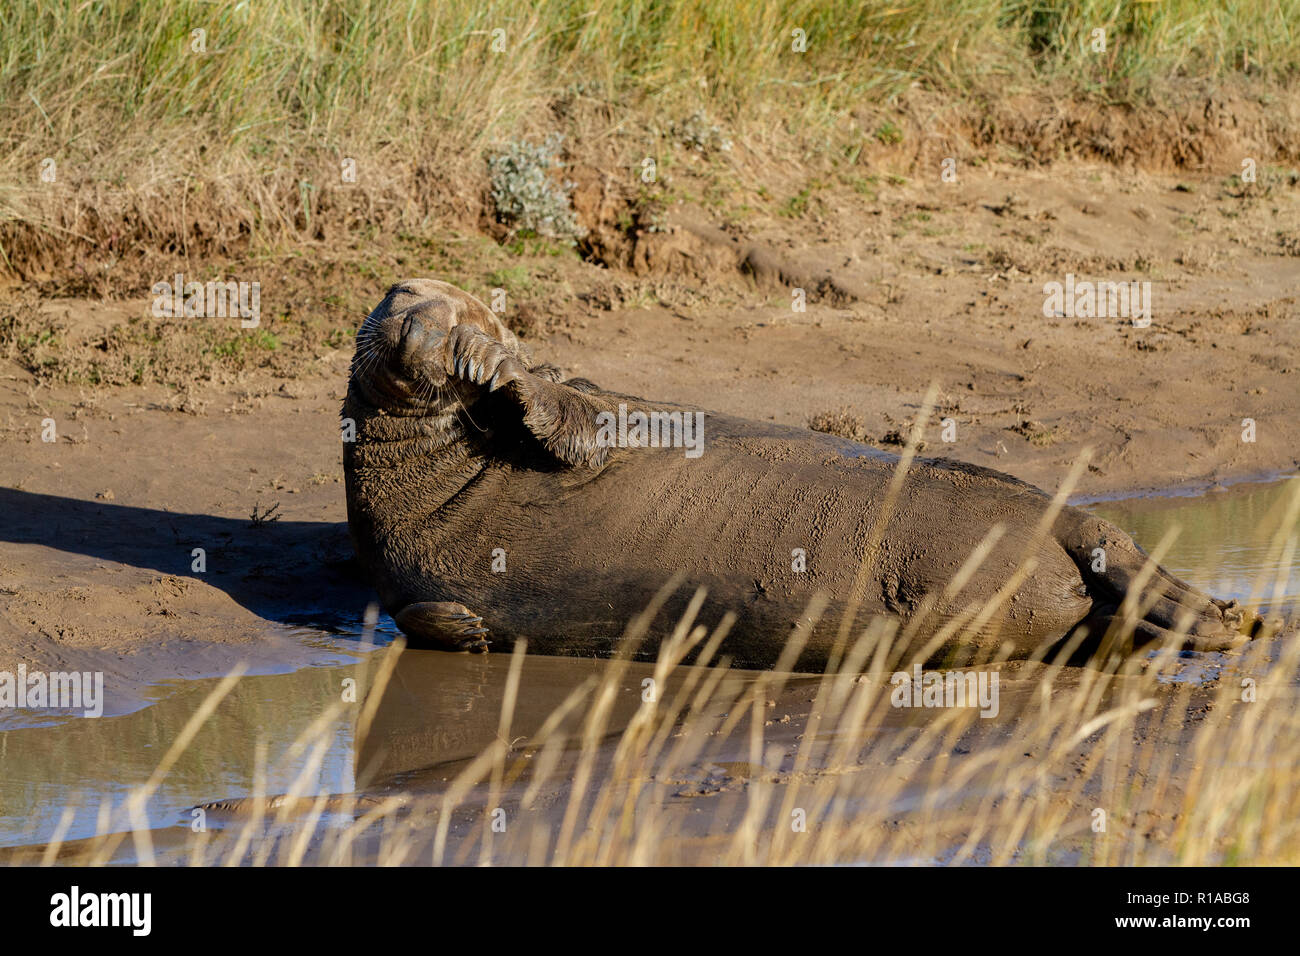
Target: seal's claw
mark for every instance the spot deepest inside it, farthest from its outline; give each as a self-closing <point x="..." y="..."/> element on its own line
<point x="443" y="624"/>
<point x="477" y="357"/>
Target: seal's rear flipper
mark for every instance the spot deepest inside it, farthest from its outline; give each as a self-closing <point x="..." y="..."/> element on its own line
<point x="443" y="624"/>
<point x="1172" y="610"/>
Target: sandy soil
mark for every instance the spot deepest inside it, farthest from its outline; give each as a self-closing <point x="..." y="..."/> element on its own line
<point x="937" y="283"/>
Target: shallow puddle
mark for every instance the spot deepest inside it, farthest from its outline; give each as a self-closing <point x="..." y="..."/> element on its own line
<point x="82" y="763"/>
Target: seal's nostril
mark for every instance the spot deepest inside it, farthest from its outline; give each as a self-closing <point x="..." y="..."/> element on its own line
<point x="413" y="336"/>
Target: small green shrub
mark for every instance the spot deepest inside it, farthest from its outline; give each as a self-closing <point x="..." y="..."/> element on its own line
<point x="526" y="194"/>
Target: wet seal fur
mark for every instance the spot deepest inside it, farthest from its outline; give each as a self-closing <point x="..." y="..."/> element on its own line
<point x="464" y="446"/>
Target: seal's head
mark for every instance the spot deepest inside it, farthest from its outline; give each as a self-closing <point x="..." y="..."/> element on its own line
<point x="401" y="356"/>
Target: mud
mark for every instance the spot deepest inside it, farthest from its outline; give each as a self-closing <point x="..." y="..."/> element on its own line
<point x="101" y="523"/>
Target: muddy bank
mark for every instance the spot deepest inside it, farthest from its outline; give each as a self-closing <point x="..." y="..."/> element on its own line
<point x="102" y="523"/>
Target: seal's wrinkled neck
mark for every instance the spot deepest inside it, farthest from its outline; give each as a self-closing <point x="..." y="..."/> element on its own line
<point x="390" y="432"/>
<point x="402" y="469"/>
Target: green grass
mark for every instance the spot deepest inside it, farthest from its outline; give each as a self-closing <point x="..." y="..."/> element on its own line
<point x="518" y="278"/>
<point x="348" y="71"/>
<point x="239" y="343"/>
<point x="797" y="204"/>
<point x="889" y="134"/>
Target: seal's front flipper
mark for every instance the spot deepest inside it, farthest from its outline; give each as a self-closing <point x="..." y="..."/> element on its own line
<point x="443" y="624"/>
<point x="563" y="417"/>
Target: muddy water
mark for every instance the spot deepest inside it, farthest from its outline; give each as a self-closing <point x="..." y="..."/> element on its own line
<point x="81" y="763"/>
<point x="443" y="708"/>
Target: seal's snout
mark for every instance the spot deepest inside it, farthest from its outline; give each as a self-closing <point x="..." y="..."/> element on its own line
<point x="411" y="335"/>
<point x="418" y="342"/>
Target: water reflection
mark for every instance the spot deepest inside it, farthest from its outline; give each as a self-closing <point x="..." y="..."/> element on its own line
<point x="83" y="763"/>
<point x="438" y="708"/>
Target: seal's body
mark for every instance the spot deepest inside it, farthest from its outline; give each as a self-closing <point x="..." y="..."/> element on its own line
<point x="487" y="504"/>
